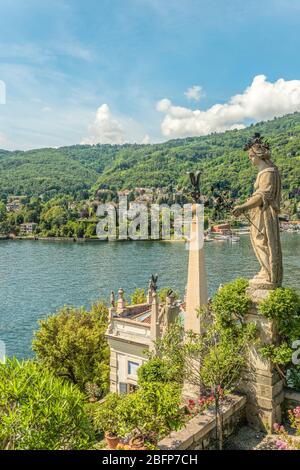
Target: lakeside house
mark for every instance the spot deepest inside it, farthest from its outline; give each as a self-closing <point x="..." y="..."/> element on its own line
<point x="28" y="228"/>
<point x="14" y="203"/>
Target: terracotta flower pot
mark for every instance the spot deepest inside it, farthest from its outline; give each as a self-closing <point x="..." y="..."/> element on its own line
<point x="111" y="441"/>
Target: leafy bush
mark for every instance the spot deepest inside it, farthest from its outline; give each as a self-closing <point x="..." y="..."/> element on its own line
<point x="138" y="296"/>
<point x="72" y="344"/>
<point x="40" y="411"/>
<point x="283" y="307"/>
<point x="155" y="370"/>
<point x="280" y="354"/>
<point x="231" y="303"/>
<point x="154" y="408"/>
<point x="293" y="378"/>
<point x="106" y="415"/>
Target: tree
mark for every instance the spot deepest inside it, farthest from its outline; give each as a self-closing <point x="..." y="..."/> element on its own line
<point x="40" y="411"/>
<point x="90" y="230"/>
<point x="2" y="212"/>
<point x="72" y="344"/>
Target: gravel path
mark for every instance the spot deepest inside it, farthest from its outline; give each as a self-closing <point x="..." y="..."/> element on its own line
<point x="248" y="439"/>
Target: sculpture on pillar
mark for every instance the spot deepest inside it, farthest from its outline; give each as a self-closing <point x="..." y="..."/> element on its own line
<point x="152" y="288"/>
<point x="263" y="207"/>
<point x="168" y="313"/>
<point x="195" y="180"/>
<point x="112" y="299"/>
<point x="153" y="282"/>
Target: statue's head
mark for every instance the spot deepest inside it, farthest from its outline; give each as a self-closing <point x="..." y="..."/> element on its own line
<point x="258" y="149"/>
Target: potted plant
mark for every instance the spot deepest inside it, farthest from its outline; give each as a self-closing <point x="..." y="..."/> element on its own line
<point x="106" y="419"/>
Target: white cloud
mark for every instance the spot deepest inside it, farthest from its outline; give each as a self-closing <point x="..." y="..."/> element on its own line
<point x="46" y="109"/>
<point x="3" y="140"/>
<point x="146" y="139"/>
<point x="195" y="92"/>
<point x="2" y="92"/>
<point x="105" y="129"/>
<point x="260" y="101"/>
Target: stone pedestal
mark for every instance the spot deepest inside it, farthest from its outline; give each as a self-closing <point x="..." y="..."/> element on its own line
<point x="262" y="383"/>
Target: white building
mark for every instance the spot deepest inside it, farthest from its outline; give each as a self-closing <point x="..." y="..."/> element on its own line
<point x="131" y="333"/>
<point x="28" y="229"/>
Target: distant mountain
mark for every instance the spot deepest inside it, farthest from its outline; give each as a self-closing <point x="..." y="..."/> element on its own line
<point x="81" y="169"/>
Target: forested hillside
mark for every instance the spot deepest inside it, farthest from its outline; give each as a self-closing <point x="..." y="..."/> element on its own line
<point x="81" y="169"/>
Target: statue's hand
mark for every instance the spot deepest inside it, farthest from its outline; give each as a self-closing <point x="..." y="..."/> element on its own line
<point x="237" y="211"/>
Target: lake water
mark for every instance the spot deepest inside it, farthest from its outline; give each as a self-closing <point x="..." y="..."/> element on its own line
<point x="36" y="277"/>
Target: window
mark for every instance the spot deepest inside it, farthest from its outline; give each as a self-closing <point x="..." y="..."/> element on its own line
<point x="132" y="368"/>
<point x="122" y="387"/>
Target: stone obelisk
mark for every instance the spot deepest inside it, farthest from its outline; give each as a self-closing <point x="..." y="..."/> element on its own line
<point x="196" y="291"/>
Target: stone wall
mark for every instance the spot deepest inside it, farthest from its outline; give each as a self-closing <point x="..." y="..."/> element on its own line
<point x="200" y="432"/>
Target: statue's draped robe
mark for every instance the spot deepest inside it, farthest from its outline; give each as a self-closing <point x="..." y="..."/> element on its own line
<point x="265" y="233"/>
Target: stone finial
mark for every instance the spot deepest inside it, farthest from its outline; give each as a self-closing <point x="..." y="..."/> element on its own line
<point x="121" y="301"/>
<point x="152" y="288"/>
<point x="170" y="297"/>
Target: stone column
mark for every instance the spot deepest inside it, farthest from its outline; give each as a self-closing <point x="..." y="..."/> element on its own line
<point x="149" y="296"/>
<point x="155" y="327"/>
<point x="262" y="384"/>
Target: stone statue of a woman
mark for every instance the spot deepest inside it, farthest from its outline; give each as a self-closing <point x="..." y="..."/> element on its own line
<point x="264" y="207"/>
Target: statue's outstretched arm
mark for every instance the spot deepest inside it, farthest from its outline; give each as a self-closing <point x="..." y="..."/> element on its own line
<point x="255" y="201"/>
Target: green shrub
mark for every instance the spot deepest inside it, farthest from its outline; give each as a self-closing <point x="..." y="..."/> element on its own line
<point x="293" y="378"/>
<point x="155" y="370"/>
<point x="280" y="354"/>
<point x="283" y="307"/>
<point x="40" y="411"/>
<point x="106" y="415"/>
<point x="231" y="302"/>
<point x="154" y="408"/>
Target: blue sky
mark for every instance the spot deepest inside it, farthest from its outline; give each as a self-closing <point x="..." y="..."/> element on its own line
<point x="120" y="70"/>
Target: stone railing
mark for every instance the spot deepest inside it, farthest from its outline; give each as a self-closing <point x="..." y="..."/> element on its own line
<point x="200" y="432"/>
